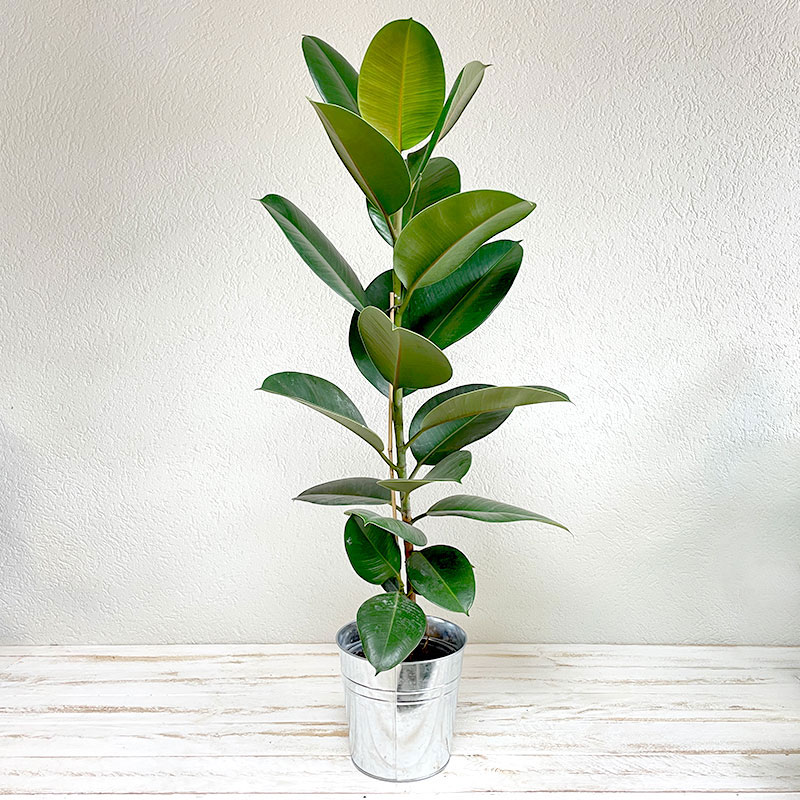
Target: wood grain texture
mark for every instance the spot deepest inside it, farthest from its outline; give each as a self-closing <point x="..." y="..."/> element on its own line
<point x="267" y="719"/>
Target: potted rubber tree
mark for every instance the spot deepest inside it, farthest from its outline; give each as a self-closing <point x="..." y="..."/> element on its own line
<point x="401" y="667"/>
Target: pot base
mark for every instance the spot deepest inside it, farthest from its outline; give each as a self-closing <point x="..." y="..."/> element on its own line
<point x="400" y="780"/>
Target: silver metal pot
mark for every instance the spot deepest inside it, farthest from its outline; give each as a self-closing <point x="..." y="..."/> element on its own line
<point x="401" y="721"/>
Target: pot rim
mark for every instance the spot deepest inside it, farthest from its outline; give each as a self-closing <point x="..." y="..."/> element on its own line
<point x="457" y="652"/>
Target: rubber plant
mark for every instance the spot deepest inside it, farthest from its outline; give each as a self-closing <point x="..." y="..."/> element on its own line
<point x="445" y="279"/>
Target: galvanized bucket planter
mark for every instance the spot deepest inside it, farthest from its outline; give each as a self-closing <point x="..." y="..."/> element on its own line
<point x="401" y="721"/>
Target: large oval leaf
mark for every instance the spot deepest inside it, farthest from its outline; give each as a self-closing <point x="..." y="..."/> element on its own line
<point x="394" y="526"/>
<point x="485" y="510"/>
<point x="322" y="396"/>
<point x="316" y="249"/>
<point x="369" y="156"/>
<point x="390" y="627"/>
<point x="440" y="179"/>
<point x="443" y="575"/>
<point x="401" y="356"/>
<point x="488" y="400"/>
<point x="454" y="307"/>
<point x="452" y="468"/>
<point x="346" y="492"/>
<point x="377" y="295"/>
<point x="334" y="77"/>
<point x="432" y="446"/>
<point x="373" y="552"/>
<point x="401" y="87"/>
<point x="443" y="236"/>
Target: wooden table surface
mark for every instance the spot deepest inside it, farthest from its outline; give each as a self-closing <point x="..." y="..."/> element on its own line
<point x="590" y="720"/>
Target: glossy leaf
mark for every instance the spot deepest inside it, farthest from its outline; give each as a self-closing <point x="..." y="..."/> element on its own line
<point x="454" y="307"/>
<point x="379" y="223"/>
<point x="377" y="295"/>
<point x="433" y="445"/>
<point x="346" y="491"/>
<point x="391" y="586"/>
<point x="470" y="79"/>
<point x="373" y="552"/>
<point x="443" y="236"/>
<point x="401" y="86"/>
<point x="440" y="179"/>
<point x="488" y="400"/>
<point x="390" y="627"/>
<point x="402" y="357"/>
<point x="334" y="77"/>
<point x="460" y="94"/>
<point x="369" y="156"/>
<point x="316" y="249"/>
<point x="322" y="396"/>
<point x="394" y="526"/>
<point x="485" y="510"/>
<point x="451" y="468"/>
<point x="448" y="310"/>
<point x="443" y="575"/>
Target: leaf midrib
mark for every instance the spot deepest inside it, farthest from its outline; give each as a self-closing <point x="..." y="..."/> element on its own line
<point x="444" y="583"/>
<point x="458" y="241"/>
<point x="391" y="622"/>
<point x="379" y="553"/>
<point x="404" y="67"/>
<point x="466" y="296"/>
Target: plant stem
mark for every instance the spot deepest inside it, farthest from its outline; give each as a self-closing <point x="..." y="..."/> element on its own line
<point x="401" y="447"/>
<point x="392" y="469"/>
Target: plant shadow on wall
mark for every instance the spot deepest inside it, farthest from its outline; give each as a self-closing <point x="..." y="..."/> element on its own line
<point x="445" y="279"/>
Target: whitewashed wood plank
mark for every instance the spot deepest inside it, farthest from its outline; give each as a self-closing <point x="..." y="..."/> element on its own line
<point x="53" y="670"/>
<point x="722" y="703"/>
<point x="476" y="734"/>
<point x="418" y="791"/>
<point x="745" y="656"/>
<point x="237" y="774"/>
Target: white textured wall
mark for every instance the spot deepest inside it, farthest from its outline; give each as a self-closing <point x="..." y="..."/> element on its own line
<point x="145" y="488"/>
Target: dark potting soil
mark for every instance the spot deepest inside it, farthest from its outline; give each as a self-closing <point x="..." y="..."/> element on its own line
<point x="426" y="650"/>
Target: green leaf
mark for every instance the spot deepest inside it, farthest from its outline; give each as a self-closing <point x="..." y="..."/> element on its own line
<point x="454" y="307"/>
<point x="443" y="575"/>
<point x="373" y="552"/>
<point x="377" y="295"/>
<point x="322" y="396"/>
<point x="346" y="491"/>
<point x="443" y="236"/>
<point x="485" y="510"/>
<point x="401" y="87"/>
<point x="394" y="526"/>
<point x="433" y="445"/>
<point x="440" y="179"/>
<point x="391" y="586"/>
<point x="448" y="310"/>
<point x="390" y="627"/>
<point x="451" y="468"/>
<point x="335" y="79"/>
<point x="380" y="224"/>
<point x="462" y="92"/>
<point x="401" y="356"/>
<point x="488" y="400"/>
<point x="369" y="156"/>
<point x="316" y="249"/>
